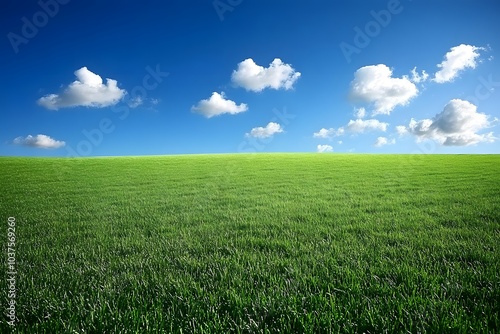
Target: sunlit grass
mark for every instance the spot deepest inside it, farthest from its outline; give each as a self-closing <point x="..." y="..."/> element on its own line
<point x="255" y="243"/>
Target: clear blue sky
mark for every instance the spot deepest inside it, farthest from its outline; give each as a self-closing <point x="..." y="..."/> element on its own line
<point x="238" y="76"/>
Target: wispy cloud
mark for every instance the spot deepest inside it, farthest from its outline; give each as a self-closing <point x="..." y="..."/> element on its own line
<point x="360" y="112"/>
<point x="361" y="126"/>
<point x="455" y="61"/>
<point x="354" y="126"/>
<point x="328" y="133"/>
<point x="418" y="77"/>
<point x="135" y="102"/>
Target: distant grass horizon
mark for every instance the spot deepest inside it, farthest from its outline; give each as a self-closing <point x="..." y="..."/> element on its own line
<point x="261" y="242"/>
<point x="244" y="153"/>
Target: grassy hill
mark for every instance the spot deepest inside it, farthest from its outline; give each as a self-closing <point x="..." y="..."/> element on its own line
<point x="254" y="243"/>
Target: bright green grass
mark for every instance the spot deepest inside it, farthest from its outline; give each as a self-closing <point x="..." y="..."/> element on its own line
<point x="262" y="243"/>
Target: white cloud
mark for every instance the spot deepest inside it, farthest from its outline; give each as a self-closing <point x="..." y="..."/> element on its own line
<point x="256" y="78"/>
<point x="135" y="102"/>
<point x="324" y="148"/>
<point x="381" y="141"/>
<point x="268" y="131"/>
<point x="354" y="126"/>
<point x="457" y="125"/>
<point x="418" y="78"/>
<point x="375" y="85"/>
<point x="401" y="130"/>
<point x="87" y="91"/>
<point x="360" y="113"/>
<point x="361" y="126"/>
<point x="340" y="142"/>
<point x="328" y="133"/>
<point x="39" y="141"/>
<point x="456" y="60"/>
<point x="217" y="105"/>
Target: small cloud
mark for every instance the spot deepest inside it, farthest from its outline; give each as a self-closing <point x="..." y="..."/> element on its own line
<point x="138" y="101"/>
<point x="265" y="132"/>
<point x="87" y="91"/>
<point x="328" y="133"/>
<point x="135" y="102"/>
<point x="375" y="85"/>
<point x="340" y="142"/>
<point x="418" y="78"/>
<point x="401" y="130"/>
<point x="360" y="113"/>
<point x="217" y="104"/>
<point x="381" y="141"/>
<point x="324" y="148"/>
<point x="38" y="141"/>
<point x="361" y="126"/>
<point x="354" y="126"/>
<point x="456" y="60"/>
<point x="256" y="78"/>
<point x="457" y="125"/>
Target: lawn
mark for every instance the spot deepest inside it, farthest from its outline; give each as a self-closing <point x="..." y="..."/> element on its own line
<point x="254" y="243"/>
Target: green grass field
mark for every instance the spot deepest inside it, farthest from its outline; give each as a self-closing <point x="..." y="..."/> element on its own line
<point x="266" y="243"/>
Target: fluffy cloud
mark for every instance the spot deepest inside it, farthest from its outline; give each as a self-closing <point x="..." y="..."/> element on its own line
<point x="456" y="60"/>
<point x="361" y="126"/>
<point x="217" y="105"/>
<point x="324" y="148"/>
<point x="39" y="141"/>
<point x="264" y="132"/>
<point x="87" y="91"/>
<point x="457" y="125"/>
<point x="375" y="85"/>
<point x="256" y="78"/>
<point x="381" y="141"/>
<point x="328" y="133"/>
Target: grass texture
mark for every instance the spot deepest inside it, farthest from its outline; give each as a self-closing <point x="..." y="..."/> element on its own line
<point x="254" y="243"/>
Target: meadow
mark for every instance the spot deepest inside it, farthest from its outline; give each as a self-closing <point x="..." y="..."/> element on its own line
<point x="254" y="243"/>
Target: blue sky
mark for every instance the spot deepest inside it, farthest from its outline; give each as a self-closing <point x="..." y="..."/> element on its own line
<point x="230" y="76"/>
